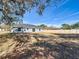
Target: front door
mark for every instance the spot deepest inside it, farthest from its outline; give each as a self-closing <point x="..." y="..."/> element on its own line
<point x="33" y="29"/>
<point x="19" y="29"/>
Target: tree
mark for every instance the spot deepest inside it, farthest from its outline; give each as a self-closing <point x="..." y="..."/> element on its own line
<point x="75" y="26"/>
<point x="66" y="26"/>
<point x="42" y="26"/>
<point x="17" y="8"/>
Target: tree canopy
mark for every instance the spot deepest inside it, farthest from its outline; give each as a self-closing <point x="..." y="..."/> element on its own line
<point x="9" y="9"/>
<point x="75" y="26"/>
<point x="72" y="26"/>
<point x="66" y="26"/>
<point x="42" y="25"/>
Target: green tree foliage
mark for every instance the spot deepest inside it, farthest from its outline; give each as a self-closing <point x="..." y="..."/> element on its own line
<point x="42" y="26"/>
<point x="72" y="26"/>
<point x="17" y="8"/>
<point x="75" y="26"/>
<point x="66" y="26"/>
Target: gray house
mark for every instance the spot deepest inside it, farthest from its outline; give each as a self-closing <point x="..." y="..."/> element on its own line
<point x="25" y="28"/>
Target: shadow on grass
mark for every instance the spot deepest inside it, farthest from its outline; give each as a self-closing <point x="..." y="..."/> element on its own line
<point x="19" y="37"/>
<point x="63" y="50"/>
<point x="45" y="50"/>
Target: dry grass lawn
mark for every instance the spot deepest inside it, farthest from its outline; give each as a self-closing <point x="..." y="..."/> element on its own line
<point x="40" y="45"/>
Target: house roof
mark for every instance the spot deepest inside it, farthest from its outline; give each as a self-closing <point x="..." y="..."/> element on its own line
<point x="25" y="26"/>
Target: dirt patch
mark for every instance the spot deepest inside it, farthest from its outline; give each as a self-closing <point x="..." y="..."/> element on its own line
<point x="37" y="46"/>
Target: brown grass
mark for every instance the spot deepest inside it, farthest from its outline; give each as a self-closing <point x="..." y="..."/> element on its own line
<point x="38" y="45"/>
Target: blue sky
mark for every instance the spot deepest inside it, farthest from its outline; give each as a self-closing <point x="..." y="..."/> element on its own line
<point x="66" y="12"/>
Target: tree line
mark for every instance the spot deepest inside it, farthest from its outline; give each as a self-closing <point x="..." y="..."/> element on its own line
<point x="63" y="26"/>
<point x="72" y="26"/>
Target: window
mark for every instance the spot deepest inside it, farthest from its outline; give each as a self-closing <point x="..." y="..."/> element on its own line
<point x="27" y="28"/>
<point x="33" y="29"/>
<point x="19" y="29"/>
<point x="39" y="29"/>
